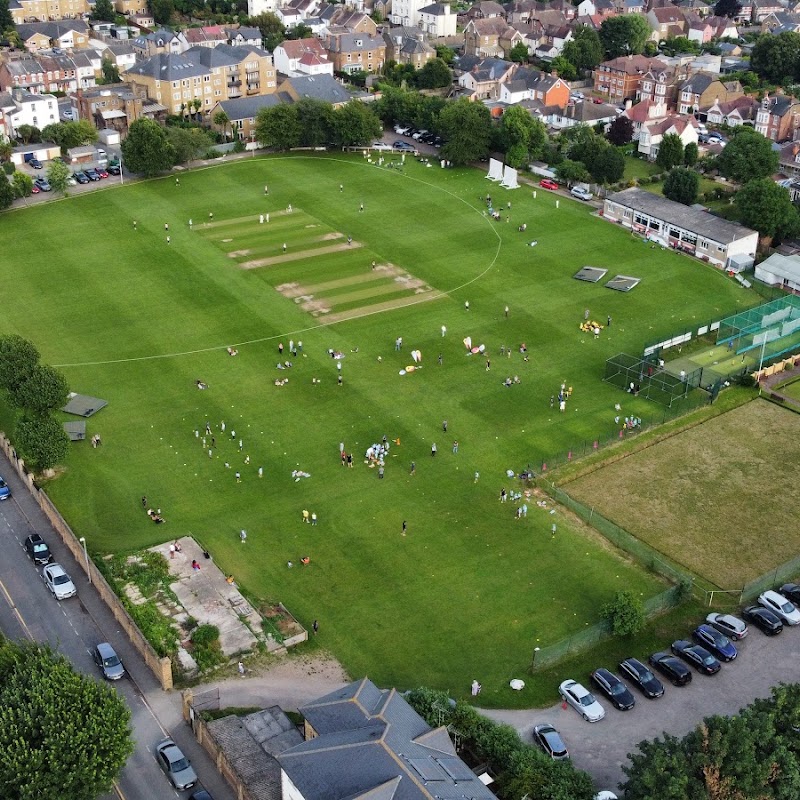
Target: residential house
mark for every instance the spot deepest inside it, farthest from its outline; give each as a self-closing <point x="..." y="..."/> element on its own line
<point x="256" y="7"/>
<point x="302" y="57"/>
<point x="652" y="134"/>
<point x="789" y="160"/>
<point x="208" y="36"/>
<point x="24" y="108"/>
<point x="700" y="8"/>
<point x="248" y="70"/>
<point x="521" y="11"/>
<point x="319" y="87"/>
<point x="361" y="741"/>
<point x="684" y="228"/>
<point x="779" y="23"/>
<point x="605" y="8"/>
<point x="23" y="72"/>
<point x="644" y="113"/>
<point x="162" y="41"/>
<point x="115" y="106"/>
<point x="551" y="41"/>
<point x="531" y="84"/>
<point x="703" y="30"/>
<point x="132" y="8"/>
<point x="437" y="20"/>
<point x="356" y="52"/>
<point x="486" y="9"/>
<point x="703" y="89"/>
<point x="66" y="34"/>
<point x="295" y="11"/>
<point x="584" y="112"/>
<point x="738" y="111"/>
<point x="120" y="54"/>
<point x="776" y="117"/>
<point x="143" y="20"/>
<point x="407" y="46"/>
<point x="243" y="35"/>
<point x="763" y="8"/>
<point x="667" y="22"/>
<point x="490" y="37"/>
<point x="620" y="78"/>
<point x="482" y="81"/>
<point x="49" y="72"/>
<point x="243" y="111"/>
<point x="662" y="82"/>
<point x="47" y="10"/>
<point x="633" y="7"/>
<point x="352" y="20"/>
<point x="406" y="12"/>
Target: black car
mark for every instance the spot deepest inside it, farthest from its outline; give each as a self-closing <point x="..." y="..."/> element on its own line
<point x="91" y="175"/>
<point x="673" y="668"/>
<point x="37" y="549"/>
<point x="549" y="739"/>
<point x="114" y="169"/>
<point x="614" y="689"/>
<point x="763" y="619"/>
<point x="650" y="686"/>
<point x="697" y="656"/>
<point x="81" y="177"/>
<point x="791" y="591"/>
<point x="718" y="643"/>
<point x="34" y="163"/>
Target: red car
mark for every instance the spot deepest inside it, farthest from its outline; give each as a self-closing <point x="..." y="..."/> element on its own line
<point x="546" y="183"/>
<point x="101" y="172"/>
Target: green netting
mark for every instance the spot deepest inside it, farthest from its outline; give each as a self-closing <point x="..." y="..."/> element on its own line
<point x="646" y="377"/>
<point x="769" y="329"/>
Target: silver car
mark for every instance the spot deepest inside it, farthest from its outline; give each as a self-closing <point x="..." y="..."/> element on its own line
<point x="175" y="764"/>
<point x="733" y="627"/>
<point x="107" y="659"/>
<point x="582" y="700"/>
<point x="779" y="605"/>
<point x="58" y="582"/>
<point x="581" y="193"/>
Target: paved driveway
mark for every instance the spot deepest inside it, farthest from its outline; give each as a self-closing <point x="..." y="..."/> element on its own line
<point x="601" y="748"/>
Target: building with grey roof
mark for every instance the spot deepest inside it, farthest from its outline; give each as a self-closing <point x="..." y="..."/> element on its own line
<point x="675" y="225"/>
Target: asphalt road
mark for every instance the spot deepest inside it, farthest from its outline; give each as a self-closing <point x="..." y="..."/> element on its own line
<point x="73" y="627"/>
<point x="601" y="748"/>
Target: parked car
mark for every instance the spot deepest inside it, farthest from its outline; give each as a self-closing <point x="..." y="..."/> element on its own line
<point x="582" y="700"/>
<point x="791" y="591"/>
<point x="43" y="185"/>
<point x="581" y="193"/>
<point x="733" y="627"/>
<point x="58" y="582"/>
<point x="81" y="177"/>
<point x="763" y="619"/>
<point x="614" y="689"/>
<point x="402" y="130"/>
<point x="101" y="172"/>
<point x="35" y="189"/>
<point x="577" y="96"/>
<point x="34" y="163"/>
<point x="175" y="764"/>
<point x="650" y="686"/>
<point x="417" y="135"/>
<point x="546" y="183"/>
<point x="202" y="794"/>
<point x="778" y="604"/>
<point x="106" y="658"/>
<point x="404" y="147"/>
<point x="381" y="146"/>
<point x="115" y="169"/>
<point x="5" y="492"/>
<point x="672" y="667"/>
<point x="697" y="656"/>
<point x="37" y="549"/>
<point x="718" y="643"/>
<point x="91" y="174"/>
<point x="549" y="739"/>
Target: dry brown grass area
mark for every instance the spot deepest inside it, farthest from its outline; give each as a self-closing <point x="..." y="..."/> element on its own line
<point x="718" y="498"/>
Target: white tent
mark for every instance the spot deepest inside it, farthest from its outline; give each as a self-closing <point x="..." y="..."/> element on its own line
<point x="495" y="170"/>
<point x="510" y="179"/>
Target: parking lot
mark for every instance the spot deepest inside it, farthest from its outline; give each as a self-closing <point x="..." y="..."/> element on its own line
<point x="601" y="748"/>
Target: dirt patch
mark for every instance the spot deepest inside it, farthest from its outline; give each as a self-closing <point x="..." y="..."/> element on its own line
<point x="315" y="307"/>
<point x="239" y="253"/>
<point x="297" y="255"/>
<point x="398" y="302"/>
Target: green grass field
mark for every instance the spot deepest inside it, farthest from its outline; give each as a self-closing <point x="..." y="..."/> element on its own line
<point x="717" y="497"/>
<point x="469" y="590"/>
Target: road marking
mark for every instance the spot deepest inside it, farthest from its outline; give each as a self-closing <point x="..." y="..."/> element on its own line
<point x="13" y="607"/>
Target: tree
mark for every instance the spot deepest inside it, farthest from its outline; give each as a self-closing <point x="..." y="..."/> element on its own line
<point x="585" y="50"/>
<point x="609" y="166"/>
<point x="77" y="726"/>
<point x="29" y="133"/>
<point x="43" y="390"/>
<point x="162" y="10"/>
<point x="316" y="120"/>
<point x="776" y="58"/>
<point x="625" y="613"/>
<point x="620" y="132"/>
<point x="58" y="176"/>
<point x="572" y="172"/>
<point x="188" y="143"/>
<point x="518" y="53"/>
<point x="355" y="123"/>
<point x="41" y="441"/>
<point x="6" y="18"/>
<point x="278" y="127"/>
<point x="434" y="75"/>
<point x="146" y="149"/>
<point x="767" y="208"/>
<point x="447" y="54"/>
<point x="747" y="156"/>
<point x="563" y="68"/>
<point x="670" y="151"/>
<point x="727" y="8"/>
<point x="466" y="127"/>
<point x="6" y="149"/>
<point x="690" y="154"/>
<point x="6" y="192"/>
<point x="23" y="185"/>
<point x="110" y="71"/>
<point x="522" y="137"/>
<point x="623" y="35"/>
<point x="103" y="11"/>
<point x="18" y="357"/>
<point x="679" y="44"/>
<point x="70" y="134"/>
<point x="272" y="30"/>
<point x="682" y="185"/>
<point x="222" y="120"/>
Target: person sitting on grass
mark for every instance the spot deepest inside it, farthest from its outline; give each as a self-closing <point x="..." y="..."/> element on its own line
<point x="201" y="384"/>
<point x="305" y="561"/>
<point x="232" y="351"/>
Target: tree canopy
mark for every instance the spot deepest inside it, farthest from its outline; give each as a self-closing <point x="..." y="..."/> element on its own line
<point x="43" y="390"/>
<point x="466" y="127"/>
<point x="23" y="184"/>
<point x="518" y="53"/>
<point x="523" y="137"/>
<point x="271" y="28"/>
<point x="278" y="127"/>
<point x="434" y="75"/>
<point x="624" y="34"/>
<point x="747" y="156"/>
<point x="146" y="149"/>
<point x="70" y="134"/>
<point x="58" y="176"/>
<point x="620" y="131"/>
<point x="103" y="11"/>
<point x="670" y="151"/>
<point x="18" y="358"/>
<point x="188" y="143"/>
<point x="585" y="50"/>
<point x="41" y="441"/>
<point x="777" y="58"/>
<point x="61" y="734"/>
<point x="767" y="208"/>
<point x="356" y="123"/>
<point x="727" y="8"/>
<point x="682" y="185"/>
<point x="6" y="18"/>
<point x="6" y="192"/>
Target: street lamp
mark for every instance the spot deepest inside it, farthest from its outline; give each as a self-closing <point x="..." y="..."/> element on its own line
<point x="533" y="659"/>
<point x="82" y="540"/>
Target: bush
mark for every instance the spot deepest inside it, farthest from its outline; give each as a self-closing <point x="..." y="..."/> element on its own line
<point x="205" y="635"/>
<point x="625" y="613"/>
<point x="9" y="168"/>
<point x="206" y="647"/>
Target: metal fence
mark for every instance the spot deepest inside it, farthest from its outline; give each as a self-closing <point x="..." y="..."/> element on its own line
<point x="769" y="580"/>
